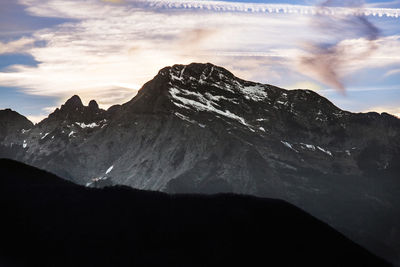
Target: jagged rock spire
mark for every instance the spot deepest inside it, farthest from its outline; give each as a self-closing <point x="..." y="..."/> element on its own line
<point x="74" y="101"/>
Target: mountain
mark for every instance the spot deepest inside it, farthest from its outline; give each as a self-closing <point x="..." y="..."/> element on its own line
<point x="10" y="122"/>
<point x="199" y="129"/>
<point x="47" y="221"/>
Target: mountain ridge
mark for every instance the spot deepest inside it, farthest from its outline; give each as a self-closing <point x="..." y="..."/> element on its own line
<point x="171" y="70"/>
<point x="198" y="128"/>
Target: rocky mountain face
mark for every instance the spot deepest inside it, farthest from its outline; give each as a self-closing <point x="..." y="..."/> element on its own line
<point x="199" y="129"/>
<point x="11" y="122"/>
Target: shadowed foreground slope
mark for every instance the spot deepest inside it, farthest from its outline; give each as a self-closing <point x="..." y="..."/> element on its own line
<point x="47" y="221"/>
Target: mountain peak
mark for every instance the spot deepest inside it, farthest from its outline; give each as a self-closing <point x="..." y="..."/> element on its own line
<point x="12" y="121"/>
<point x="74" y="111"/>
<point x="195" y="78"/>
<point x="74" y="101"/>
<point x="93" y="104"/>
<point x="202" y="72"/>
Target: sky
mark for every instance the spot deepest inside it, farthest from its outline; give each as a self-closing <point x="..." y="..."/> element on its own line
<point x="347" y="51"/>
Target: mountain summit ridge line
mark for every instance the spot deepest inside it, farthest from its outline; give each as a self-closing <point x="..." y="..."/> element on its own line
<point x="199" y="129"/>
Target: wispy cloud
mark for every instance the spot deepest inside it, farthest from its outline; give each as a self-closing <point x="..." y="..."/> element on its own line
<point x="327" y="59"/>
<point x="392" y="72"/>
<point x="36" y="118"/>
<point x="17" y="46"/>
<point x="50" y="8"/>
<point x="109" y="49"/>
<point x="114" y="1"/>
<point x="387" y="4"/>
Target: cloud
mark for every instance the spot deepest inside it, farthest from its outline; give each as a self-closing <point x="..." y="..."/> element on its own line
<point x="221" y="6"/>
<point x="195" y="37"/>
<point x="392" y="72"/>
<point x="108" y="96"/>
<point x="17" y="46"/>
<point x="50" y="8"/>
<point x="106" y="51"/>
<point x="114" y="1"/>
<point x="340" y="63"/>
<point x="327" y="59"/>
<point x="388" y="4"/>
<point x="36" y="118"/>
<point x="305" y="85"/>
<point x="129" y="46"/>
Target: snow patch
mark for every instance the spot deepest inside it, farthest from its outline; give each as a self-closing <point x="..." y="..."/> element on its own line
<point x="325" y="151"/>
<point x="44" y="136"/>
<point x="110" y="169"/>
<point x="94" y="180"/>
<point x="282" y="103"/>
<point x="202" y="104"/>
<point x="215" y="97"/>
<point x="312" y="147"/>
<point x="183" y="117"/>
<point x="90" y="125"/>
<point x="174" y="77"/>
<point x="24" y="145"/>
<point x="287" y="144"/>
<point x="71" y="134"/>
<point x="255" y="93"/>
<point x="262" y="129"/>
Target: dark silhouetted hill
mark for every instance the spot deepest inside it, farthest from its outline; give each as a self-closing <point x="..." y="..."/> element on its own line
<point x="47" y="221"/>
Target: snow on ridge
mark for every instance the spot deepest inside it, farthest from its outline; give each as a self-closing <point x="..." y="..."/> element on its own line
<point x="177" y="74"/>
<point x="287" y="144"/>
<point x="44" y="136"/>
<point x="216" y="97"/>
<point x="203" y="104"/>
<point x="254" y="92"/>
<point x="183" y="117"/>
<point x="312" y="147"/>
<point x="282" y="103"/>
<point x="110" y="169"/>
<point x="90" y="125"/>
<point x="94" y="180"/>
<point x="325" y="151"/>
<point x="174" y="77"/>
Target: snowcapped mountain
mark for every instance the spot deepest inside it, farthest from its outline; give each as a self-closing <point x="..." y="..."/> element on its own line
<point x="198" y="128"/>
